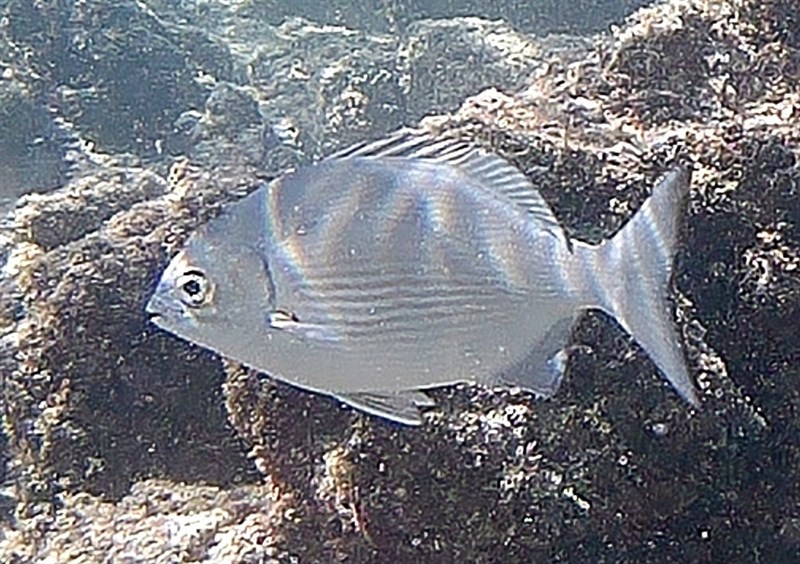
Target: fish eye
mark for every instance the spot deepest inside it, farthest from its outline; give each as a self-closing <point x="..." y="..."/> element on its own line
<point x="194" y="288"/>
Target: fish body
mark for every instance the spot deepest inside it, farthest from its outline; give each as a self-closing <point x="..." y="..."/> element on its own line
<point x="412" y="263"/>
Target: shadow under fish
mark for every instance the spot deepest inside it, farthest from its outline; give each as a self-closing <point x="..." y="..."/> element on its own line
<point x="415" y="262"/>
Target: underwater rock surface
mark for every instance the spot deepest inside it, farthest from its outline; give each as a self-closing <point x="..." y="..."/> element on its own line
<point x="122" y="440"/>
<point x="164" y="521"/>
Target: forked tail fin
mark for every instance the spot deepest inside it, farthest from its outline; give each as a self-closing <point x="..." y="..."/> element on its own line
<point x="632" y="274"/>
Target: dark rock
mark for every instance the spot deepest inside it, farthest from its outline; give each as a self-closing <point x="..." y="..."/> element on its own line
<point x="540" y="17"/>
<point x="116" y="70"/>
<point x="444" y="61"/>
<point x="33" y="147"/>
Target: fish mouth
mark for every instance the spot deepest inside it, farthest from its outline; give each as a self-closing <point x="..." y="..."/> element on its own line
<point x="160" y="308"/>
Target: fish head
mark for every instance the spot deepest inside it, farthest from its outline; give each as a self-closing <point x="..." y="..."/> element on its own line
<point x="216" y="290"/>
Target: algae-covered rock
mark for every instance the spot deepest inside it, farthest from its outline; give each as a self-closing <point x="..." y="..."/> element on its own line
<point x="31" y="146"/>
<point x="444" y="61"/>
<point x="530" y="16"/>
<point x="85" y="406"/>
<point x="614" y="468"/>
<point x="160" y="521"/>
<point x="114" y="68"/>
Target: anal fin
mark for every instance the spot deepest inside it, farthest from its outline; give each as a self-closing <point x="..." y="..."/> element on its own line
<point x="542" y="369"/>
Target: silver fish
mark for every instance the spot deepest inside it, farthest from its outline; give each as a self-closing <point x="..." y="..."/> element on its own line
<point x="411" y="263"/>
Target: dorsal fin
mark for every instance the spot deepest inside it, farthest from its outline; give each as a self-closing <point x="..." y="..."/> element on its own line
<point x="493" y="171"/>
<point x="405" y="143"/>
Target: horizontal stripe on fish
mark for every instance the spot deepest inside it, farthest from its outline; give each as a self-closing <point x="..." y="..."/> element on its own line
<point x="406" y="324"/>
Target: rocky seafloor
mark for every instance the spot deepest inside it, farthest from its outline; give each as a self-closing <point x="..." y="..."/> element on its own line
<point x="123" y="444"/>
